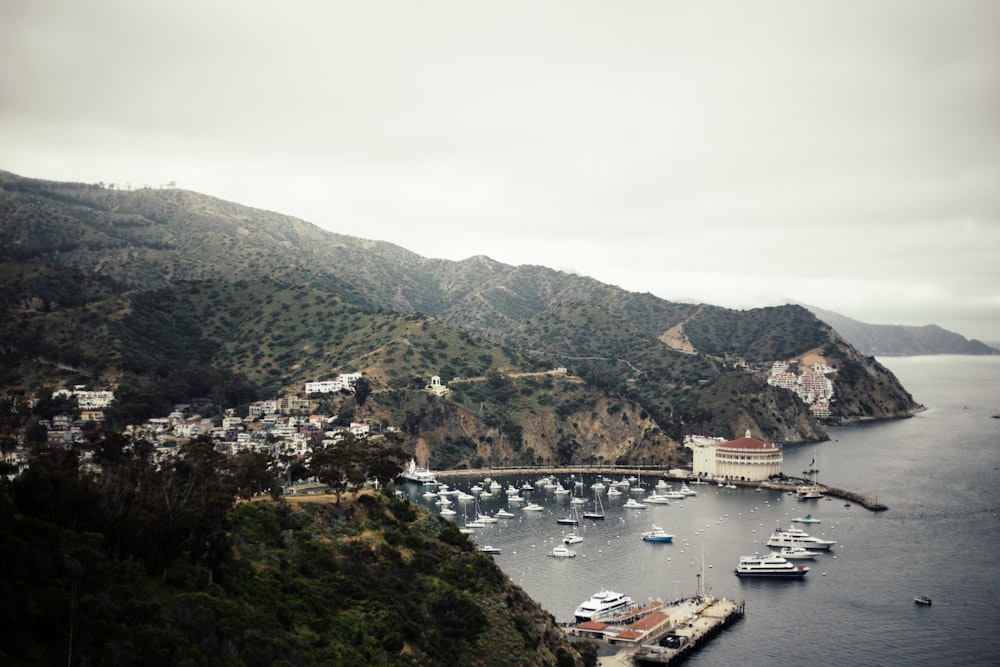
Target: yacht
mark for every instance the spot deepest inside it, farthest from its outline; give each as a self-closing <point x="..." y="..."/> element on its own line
<point x="504" y="514"/>
<point x="634" y="504"/>
<point x="532" y="507"/>
<point x="573" y="538"/>
<point x="769" y="566"/>
<point x="559" y="551"/>
<point x="793" y="537"/>
<point x="414" y="473"/>
<point x="657" y="535"/>
<point x="808" y="492"/>
<point x="493" y="551"/>
<point x="568" y="520"/>
<point x="687" y="490"/>
<point x="600" y="605"/>
<point x="447" y="511"/>
<point x="798" y="553"/>
<point x="655" y="499"/>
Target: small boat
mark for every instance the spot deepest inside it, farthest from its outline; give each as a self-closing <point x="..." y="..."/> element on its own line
<point x="560" y="551"/>
<point x="568" y="520"/>
<point x="656" y="499"/>
<point x="657" y="535"/>
<point x="808" y="518"/>
<point x="798" y="553"/>
<point x="808" y="492"/>
<point x="598" y="511"/>
<point x="688" y="491"/>
<point x="532" y="507"/>
<point x="515" y="498"/>
<point x="573" y="538"/>
<point x="504" y="514"/>
<point x="493" y="551"/>
<point x="634" y="504"/>
<point x="922" y="599"/>
<point x="447" y="511"/>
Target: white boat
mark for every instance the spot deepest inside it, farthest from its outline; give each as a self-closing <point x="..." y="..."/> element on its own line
<point x="794" y="537"/>
<point x="504" y="514"/>
<point x="798" y="553"/>
<point x="447" y="511"/>
<point x="559" y="551"/>
<point x="655" y="499"/>
<point x="634" y="504"/>
<point x="515" y="498"/>
<point x="657" y="535"/>
<point x="613" y="492"/>
<point x="491" y="550"/>
<point x="808" y="492"/>
<point x="578" y="501"/>
<point x="922" y="599"/>
<point x="560" y="490"/>
<point x="417" y="474"/>
<point x="532" y="507"/>
<point x="687" y="490"/>
<point x="770" y="565"/>
<point x="600" y="605"/>
<point x="808" y="518"/>
<point x="573" y="538"/>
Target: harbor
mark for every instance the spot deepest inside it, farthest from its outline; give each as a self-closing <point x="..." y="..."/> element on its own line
<point x="660" y="633"/>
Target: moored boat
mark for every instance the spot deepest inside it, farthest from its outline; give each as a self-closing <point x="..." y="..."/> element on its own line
<point x="798" y="553"/>
<point x="808" y="518"/>
<point x="601" y="604"/>
<point x="560" y="551"/>
<point x="794" y="537"/>
<point x="657" y="535"/>
<point x="922" y="599"/>
<point x="417" y="474"/>
<point x="770" y="565"/>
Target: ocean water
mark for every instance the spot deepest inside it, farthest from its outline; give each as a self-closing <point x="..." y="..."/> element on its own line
<point x="939" y="474"/>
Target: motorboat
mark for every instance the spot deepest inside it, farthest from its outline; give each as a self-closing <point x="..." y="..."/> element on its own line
<point x="771" y="565"/>
<point x="600" y="605"/>
<point x="532" y="507"/>
<point x="798" y="553"/>
<point x="922" y="599"/>
<point x="794" y="537"/>
<point x="493" y="551"/>
<point x="573" y="538"/>
<point x="578" y="501"/>
<point x="687" y="490"/>
<point x="634" y="504"/>
<point x="568" y="520"/>
<point x="655" y="499"/>
<point x="559" y="551"/>
<point x="808" y="518"/>
<point x="515" y="498"/>
<point x="447" y="511"/>
<point x="657" y="535"/>
<point x="504" y="514"/>
<point x="417" y="474"/>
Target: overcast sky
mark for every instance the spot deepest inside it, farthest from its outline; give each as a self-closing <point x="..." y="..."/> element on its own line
<point x="842" y="154"/>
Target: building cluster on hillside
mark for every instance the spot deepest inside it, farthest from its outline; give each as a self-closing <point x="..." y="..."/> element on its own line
<point x="811" y="384"/>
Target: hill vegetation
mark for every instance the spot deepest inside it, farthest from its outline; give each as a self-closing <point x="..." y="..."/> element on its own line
<point x="171" y="295"/>
<point x="154" y="565"/>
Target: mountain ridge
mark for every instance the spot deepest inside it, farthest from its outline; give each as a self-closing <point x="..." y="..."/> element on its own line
<point x="72" y="252"/>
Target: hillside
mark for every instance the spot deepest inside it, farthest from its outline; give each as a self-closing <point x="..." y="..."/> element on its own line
<point x="101" y="570"/>
<point x="892" y="340"/>
<point x="178" y="294"/>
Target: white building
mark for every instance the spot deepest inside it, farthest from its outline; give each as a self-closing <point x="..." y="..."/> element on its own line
<point x="745" y="458"/>
<point x="343" y="381"/>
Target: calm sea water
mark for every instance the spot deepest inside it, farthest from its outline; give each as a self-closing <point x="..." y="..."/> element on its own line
<point x="939" y="473"/>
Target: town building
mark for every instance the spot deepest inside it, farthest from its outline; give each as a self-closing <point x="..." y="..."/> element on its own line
<point x="745" y="458"/>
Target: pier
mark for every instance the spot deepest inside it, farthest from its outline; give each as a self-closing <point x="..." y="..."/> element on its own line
<point x="660" y="633"/>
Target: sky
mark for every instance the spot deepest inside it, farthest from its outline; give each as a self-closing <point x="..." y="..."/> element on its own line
<point x="839" y="154"/>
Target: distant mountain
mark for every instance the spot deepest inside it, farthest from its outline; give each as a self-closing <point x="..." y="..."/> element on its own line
<point x="897" y="340"/>
<point x="170" y="293"/>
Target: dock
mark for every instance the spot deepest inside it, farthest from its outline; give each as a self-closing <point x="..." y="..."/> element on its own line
<point x="661" y="633"/>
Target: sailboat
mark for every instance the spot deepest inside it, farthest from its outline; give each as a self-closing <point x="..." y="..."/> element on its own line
<point x="570" y="520"/>
<point x="574" y="536"/>
<point x="598" y="512"/>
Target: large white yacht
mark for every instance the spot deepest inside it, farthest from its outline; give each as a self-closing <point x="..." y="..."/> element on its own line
<point x="794" y="537"/>
<point x="770" y="565"/>
<point x="415" y="473"/>
<point x="600" y="605"/>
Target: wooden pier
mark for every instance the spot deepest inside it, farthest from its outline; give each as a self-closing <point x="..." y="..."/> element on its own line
<point x="677" y="644"/>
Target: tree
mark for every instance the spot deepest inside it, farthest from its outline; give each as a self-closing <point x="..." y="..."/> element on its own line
<point x="339" y="465"/>
<point x="362" y="390"/>
<point x="385" y="461"/>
